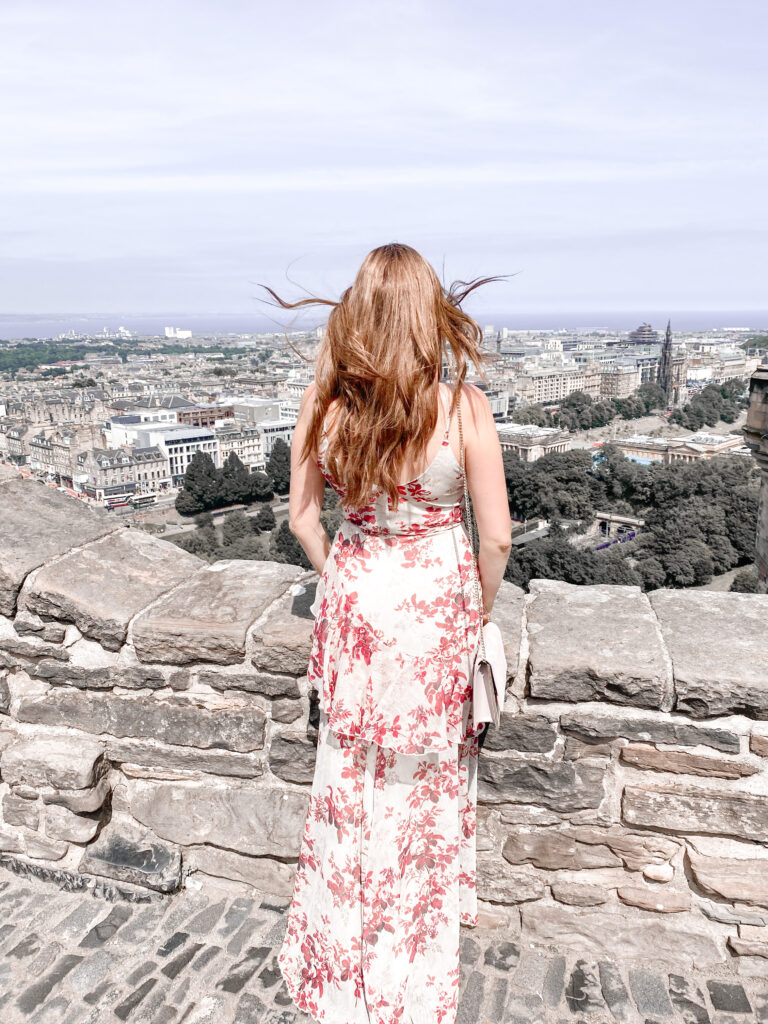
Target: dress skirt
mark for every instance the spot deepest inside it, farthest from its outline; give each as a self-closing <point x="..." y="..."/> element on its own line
<point x="385" y="876"/>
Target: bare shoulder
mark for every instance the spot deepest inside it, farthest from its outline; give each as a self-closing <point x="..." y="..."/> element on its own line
<point x="476" y="403"/>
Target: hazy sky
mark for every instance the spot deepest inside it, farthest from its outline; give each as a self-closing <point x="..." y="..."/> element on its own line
<point x="169" y="155"/>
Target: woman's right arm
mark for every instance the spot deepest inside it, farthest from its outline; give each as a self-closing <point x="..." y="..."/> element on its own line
<point x="488" y="490"/>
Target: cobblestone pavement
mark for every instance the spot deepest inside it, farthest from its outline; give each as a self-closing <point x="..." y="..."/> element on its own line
<point x="207" y="956"/>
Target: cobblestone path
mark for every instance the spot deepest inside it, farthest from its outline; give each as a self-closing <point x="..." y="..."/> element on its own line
<point x="207" y="956"/>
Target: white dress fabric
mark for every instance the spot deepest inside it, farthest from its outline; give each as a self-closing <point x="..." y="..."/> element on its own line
<point x="386" y="870"/>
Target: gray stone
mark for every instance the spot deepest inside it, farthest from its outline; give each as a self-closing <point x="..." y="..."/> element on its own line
<point x="721" y="667"/>
<point x="283" y="640"/>
<point x="132" y="854"/>
<point x="5" y="695"/>
<point x="497" y="882"/>
<point x="10" y="840"/>
<point x="159" y="755"/>
<point x="508" y="615"/>
<point x="27" y="624"/>
<point x="79" y="801"/>
<point x="728" y="997"/>
<point x="102" y="587"/>
<point x="614" y="991"/>
<point x="560" y="786"/>
<point x="292" y="758"/>
<point x="207" y="618"/>
<point x="20" y="652"/>
<point x="554" y="982"/>
<point x="59" y="524"/>
<point x="594" y="725"/>
<point x="241" y="818"/>
<point x="42" y="848"/>
<point x="617" y="932"/>
<point x="175" y="720"/>
<point x="649" y="992"/>
<point x="582" y="992"/>
<point x="472" y="999"/>
<point x="61" y="761"/>
<point x="688" y="999"/>
<point x="608" y="645"/>
<point x="528" y="733"/>
<point x="61" y="823"/>
<point x="101" y="678"/>
<point x="17" y="811"/>
<point x="268" y="684"/>
<point x="689" y="809"/>
<point x="286" y="711"/>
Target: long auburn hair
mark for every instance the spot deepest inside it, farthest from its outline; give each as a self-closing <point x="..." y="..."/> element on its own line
<point x="382" y="356"/>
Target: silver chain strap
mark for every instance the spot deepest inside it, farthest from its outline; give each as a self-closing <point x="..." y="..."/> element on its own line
<point x="470" y="523"/>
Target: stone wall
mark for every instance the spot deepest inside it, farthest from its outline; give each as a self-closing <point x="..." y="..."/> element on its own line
<point x="756" y="437"/>
<point x="155" y="721"/>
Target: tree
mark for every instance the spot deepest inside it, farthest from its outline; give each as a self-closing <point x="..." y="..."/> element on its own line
<point x="279" y="466"/>
<point x="260" y="487"/>
<point x="236" y="526"/>
<point x="286" y="548"/>
<point x="234" y="482"/>
<point x="745" y="581"/>
<point x="265" y="519"/>
<point x="200" y="486"/>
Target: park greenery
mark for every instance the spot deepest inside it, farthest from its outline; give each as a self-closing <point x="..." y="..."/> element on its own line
<point x="700" y="518"/>
<point x="713" y="403"/>
<point x="579" y="411"/>
<point x="30" y="354"/>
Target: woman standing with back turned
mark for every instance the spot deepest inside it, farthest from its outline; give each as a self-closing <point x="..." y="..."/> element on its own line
<point x="386" y="871"/>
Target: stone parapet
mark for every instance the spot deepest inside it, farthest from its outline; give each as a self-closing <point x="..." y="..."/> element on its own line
<point x="756" y="438"/>
<point x="166" y="726"/>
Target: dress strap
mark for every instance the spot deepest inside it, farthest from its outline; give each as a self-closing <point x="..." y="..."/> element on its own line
<point x="446" y="400"/>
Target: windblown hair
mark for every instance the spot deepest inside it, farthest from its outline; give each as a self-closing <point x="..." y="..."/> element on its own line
<point x="382" y="356"/>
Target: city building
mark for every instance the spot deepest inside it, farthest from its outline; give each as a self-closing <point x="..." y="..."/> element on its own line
<point x="644" y="449"/>
<point x="530" y="442"/>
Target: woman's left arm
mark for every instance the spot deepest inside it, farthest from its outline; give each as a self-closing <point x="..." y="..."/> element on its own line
<point x="306" y="494"/>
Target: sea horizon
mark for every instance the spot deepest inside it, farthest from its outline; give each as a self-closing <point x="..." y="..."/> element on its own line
<point x="47" y="326"/>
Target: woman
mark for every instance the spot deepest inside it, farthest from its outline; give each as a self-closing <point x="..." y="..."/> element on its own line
<point x="386" y="870"/>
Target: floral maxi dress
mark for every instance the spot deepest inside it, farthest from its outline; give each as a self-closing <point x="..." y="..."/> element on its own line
<point x="386" y="870"/>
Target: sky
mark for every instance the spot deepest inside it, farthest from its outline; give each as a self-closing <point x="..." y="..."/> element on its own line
<point x="170" y="156"/>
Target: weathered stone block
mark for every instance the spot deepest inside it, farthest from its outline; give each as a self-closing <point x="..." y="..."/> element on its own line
<point x="561" y="786"/>
<point x="284" y="639"/>
<point x="617" y="932"/>
<point x="742" y="878"/>
<point x="526" y="732"/>
<point x="61" y="762"/>
<point x="134" y="855"/>
<point x="104" y="678"/>
<point x="5" y="695"/>
<point x="638" y="851"/>
<point x="173" y="720"/>
<point x="61" y="823"/>
<point x="157" y="755"/>
<point x="685" y="809"/>
<point x="718" y="650"/>
<point x="42" y="848"/>
<point x="11" y="841"/>
<point x="20" y="652"/>
<point x="508" y="616"/>
<point x="17" y="811"/>
<point x="659" y="900"/>
<point x="595" y="725"/>
<point x="286" y="711"/>
<point x="293" y="758"/>
<point x="607" y="646"/>
<point x="263" y="873"/>
<point x="79" y="801"/>
<point x="267" y="684"/>
<point x="59" y="524"/>
<point x="207" y="618"/>
<point x="555" y="850"/>
<point x="241" y="818"/>
<point x="498" y="882"/>
<point x="684" y="762"/>
<point x="578" y="895"/>
<point x="26" y="624"/>
<point x="100" y="588"/>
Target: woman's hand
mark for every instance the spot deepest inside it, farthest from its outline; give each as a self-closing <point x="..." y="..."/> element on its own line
<point x="486" y="617"/>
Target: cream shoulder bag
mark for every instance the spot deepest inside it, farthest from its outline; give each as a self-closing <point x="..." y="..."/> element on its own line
<point x="489" y="667"/>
